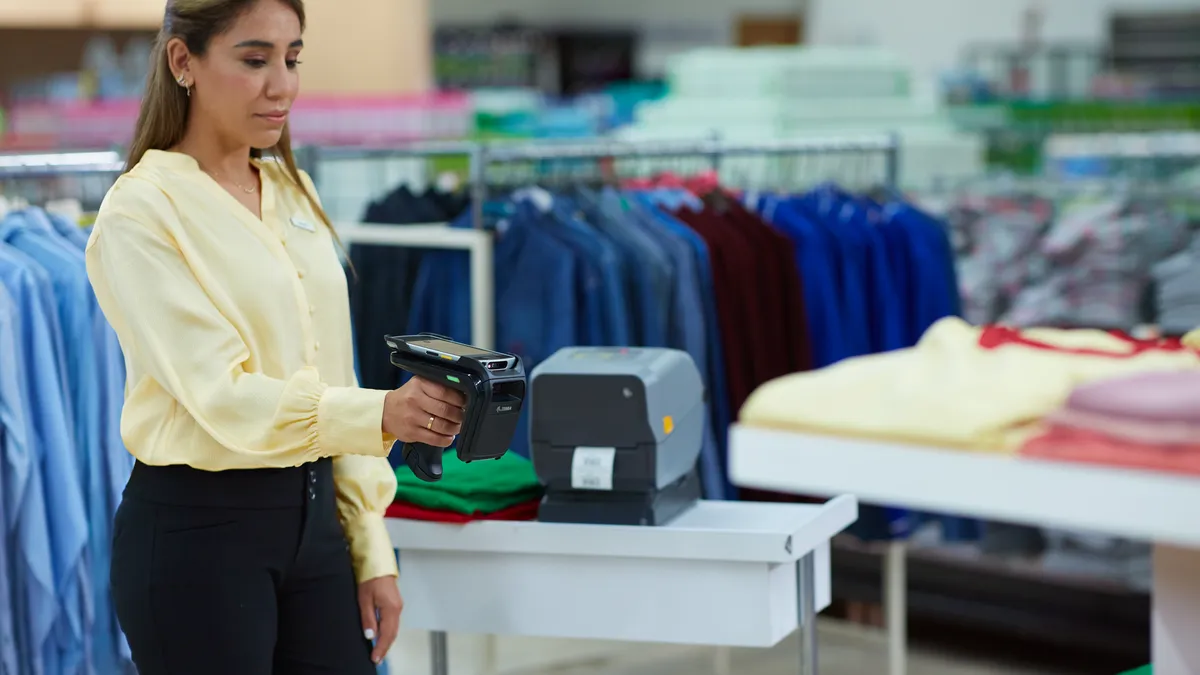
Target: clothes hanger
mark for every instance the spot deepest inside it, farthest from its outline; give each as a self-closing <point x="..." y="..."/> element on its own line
<point x="707" y="185"/>
<point x="448" y="182"/>
<point x="536" y="193"/>
<point x="71" y="209"/>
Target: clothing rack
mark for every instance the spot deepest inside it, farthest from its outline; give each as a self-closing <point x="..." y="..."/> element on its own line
<point x="310" y="157"/>
<point x="480" y="156"/>
<point x="714" y="149"/>
<point x="54" y="164"/>
<point x="24" y="176"/>
<point x="1058" y="188"/>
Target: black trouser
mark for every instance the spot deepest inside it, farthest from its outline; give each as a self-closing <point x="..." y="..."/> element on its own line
<point x="236" y="573"/>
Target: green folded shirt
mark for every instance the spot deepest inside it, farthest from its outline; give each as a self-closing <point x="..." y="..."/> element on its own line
<point x="1144" y="670"/>
<point x="485" y="486"/>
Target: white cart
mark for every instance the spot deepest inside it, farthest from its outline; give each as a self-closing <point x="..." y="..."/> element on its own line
<point x="1158" y="507"/>
<point x="735" y="574"/>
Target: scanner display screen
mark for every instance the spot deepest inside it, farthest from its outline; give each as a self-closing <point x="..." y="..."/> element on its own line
<point x="454" y="348"/>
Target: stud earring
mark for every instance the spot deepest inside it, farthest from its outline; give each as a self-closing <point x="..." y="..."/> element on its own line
<point x="183" y="83"/>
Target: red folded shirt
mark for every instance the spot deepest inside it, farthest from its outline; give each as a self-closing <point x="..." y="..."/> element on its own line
<point x="1078" y="445"/>
<point x="994" y="336"/>
<point x="523" y="511"/>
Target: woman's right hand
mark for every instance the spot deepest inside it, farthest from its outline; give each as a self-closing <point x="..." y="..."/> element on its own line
<point x="422" y="411"/>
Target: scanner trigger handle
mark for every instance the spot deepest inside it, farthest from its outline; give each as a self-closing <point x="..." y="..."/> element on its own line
<point x="424" y="460"/>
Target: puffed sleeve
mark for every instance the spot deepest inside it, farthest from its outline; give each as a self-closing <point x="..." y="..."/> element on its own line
<point x="365" y="486"/>
<point x="168" y="324"/>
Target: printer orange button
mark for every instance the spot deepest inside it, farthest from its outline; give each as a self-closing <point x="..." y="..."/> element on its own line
<point x="668" y="424"/>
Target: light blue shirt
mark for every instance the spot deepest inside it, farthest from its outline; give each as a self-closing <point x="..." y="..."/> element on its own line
<point x="118" y="460"/>
<point x="87" y="636"/>
<point x="687" y="332"/>
<point x="72" y="233"/>
<point x="36" y="441"/>
<point x="112" y="391"/>
<point x="8" y="363"/>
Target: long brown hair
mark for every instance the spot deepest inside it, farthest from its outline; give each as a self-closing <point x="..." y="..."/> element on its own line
<point x="163" y="117"/>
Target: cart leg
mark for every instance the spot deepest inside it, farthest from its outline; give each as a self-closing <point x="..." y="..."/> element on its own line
<point x="722" y="661"/>
<point x="896" y="606"/>
<point x="806" y="584"/>
<point x="491" y="660"/>
<point x="1176" y="614"/>
<point x="438" y="653"/>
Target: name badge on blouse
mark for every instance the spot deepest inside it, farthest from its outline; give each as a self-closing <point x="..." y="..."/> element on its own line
<point x="303" y="224"/>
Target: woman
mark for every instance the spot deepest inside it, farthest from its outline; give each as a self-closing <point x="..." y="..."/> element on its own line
<point x="250" y="539"/>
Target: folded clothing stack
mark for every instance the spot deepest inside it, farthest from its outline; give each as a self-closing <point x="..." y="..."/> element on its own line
<point x="962" y="387"/>
<point x="500" y="489"/>
<point x="1146" y="421"/>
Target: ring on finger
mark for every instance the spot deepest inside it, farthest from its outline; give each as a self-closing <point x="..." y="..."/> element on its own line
<point x="430" y="425"/>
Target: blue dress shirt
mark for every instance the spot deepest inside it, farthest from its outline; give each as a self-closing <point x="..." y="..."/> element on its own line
<point x="72" y="233"/>
<point x="688" y="331"/>
<point x="715" y="479"/>
<point x="8" y="362"/>
<point x="34" y="233"/>
<point x="535" y="297"/>
<point x="648" y="267"/>
<point x="615" y="328"/>
<point x="47" y="521"/>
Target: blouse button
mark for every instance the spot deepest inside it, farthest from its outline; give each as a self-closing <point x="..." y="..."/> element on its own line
<point x="300" y="272"/>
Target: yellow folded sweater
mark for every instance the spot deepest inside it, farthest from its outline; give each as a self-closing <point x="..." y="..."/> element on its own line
<point x="1192" y="339"/>
<point x="950" y="391"/>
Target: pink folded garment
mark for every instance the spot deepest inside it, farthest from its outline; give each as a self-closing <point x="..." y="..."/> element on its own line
<point x="1169" y="396"/>
<point x="1072" y="445"/>
<point x="1126" y="428"/>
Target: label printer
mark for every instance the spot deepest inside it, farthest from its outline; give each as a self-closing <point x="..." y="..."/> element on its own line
<point x="615" y="434"/>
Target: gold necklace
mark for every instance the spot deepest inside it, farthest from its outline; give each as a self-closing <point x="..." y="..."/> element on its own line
<point x="248" y="190"/>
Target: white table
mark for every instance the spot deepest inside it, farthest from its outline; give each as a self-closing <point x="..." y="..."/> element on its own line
<point x="1159" y="507"/>
<point x="735" y="574"/>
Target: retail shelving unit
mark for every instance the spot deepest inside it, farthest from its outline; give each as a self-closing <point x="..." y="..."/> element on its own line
<point x="1158" y="507"/>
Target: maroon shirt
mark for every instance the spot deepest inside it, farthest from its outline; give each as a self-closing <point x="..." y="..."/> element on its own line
<point x="727" y="256"/>
<point x="794" y="341"/>
<point x="760" y="310"/>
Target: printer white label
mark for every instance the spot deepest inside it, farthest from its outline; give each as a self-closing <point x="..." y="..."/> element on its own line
<point x="592" y="468"/>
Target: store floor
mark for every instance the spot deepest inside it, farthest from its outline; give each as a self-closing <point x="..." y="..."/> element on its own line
<point x="844" y="649"/>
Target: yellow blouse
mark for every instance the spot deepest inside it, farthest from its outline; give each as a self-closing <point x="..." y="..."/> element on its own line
<point x="236" y="334"/>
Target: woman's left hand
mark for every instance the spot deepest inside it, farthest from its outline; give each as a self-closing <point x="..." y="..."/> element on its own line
<point x="380" y="597"/>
